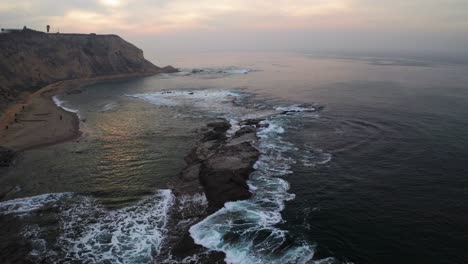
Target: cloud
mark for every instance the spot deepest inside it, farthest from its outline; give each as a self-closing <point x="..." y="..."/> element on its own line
<point x="145" y="16"/>
<point x="308" y="20"/>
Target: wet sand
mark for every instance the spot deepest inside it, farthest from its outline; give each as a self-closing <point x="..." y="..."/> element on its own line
<point x="39" y="122"/>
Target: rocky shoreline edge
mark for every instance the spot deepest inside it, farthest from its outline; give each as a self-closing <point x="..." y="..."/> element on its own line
<point x="217" y="171"/>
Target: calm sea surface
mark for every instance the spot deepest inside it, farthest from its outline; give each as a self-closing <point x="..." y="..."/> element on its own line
<point x="378" y="176"/>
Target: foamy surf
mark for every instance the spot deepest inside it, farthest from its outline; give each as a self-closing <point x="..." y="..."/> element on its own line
<point x="90" y="233"/>
<point x="30" y="204"/>
<point x="62" y="104"/>
<point x="213" y="100"/>
<point x="297" y="108"/>
<point x="129" y="235"/>
<point x="208" y="103"/>
<point x="312" y="156"/>
<point x="245" y="230"/>
<point x="227" y="104"/>
<point x="219" y="72"/>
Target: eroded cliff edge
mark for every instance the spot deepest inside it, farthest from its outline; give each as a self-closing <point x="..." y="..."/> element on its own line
<point x="30" y="60"/>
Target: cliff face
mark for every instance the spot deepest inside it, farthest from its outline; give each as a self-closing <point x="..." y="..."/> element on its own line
<point x="30" y="60"/>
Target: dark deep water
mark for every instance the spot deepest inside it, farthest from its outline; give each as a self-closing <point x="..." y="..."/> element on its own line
<point x="396" y="189"/>
<point x="379" y="176"/>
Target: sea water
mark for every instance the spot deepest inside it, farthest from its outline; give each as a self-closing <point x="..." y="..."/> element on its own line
<point x="377" y="176"/>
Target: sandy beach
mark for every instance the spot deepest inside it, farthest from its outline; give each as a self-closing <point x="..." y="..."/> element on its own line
<point x="37" y="121"/>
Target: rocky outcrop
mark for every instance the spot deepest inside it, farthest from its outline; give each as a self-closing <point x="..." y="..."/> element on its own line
<point x="222" y="165"/>
<point x="217" y="168"/>
<point x="30" y="60"/>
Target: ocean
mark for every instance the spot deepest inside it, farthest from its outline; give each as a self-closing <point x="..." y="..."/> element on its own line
<point x="376" y="176"/>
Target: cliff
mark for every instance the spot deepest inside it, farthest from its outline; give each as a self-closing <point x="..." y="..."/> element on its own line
<point x="30" y="60"/>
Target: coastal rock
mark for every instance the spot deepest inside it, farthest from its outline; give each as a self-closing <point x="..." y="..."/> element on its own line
<point x="245" y="130"/>
<point x="224" y="176"/>
<point x="202" y="152"/>
<point x="217" y="168"/>
<point x="222" y="165"/>
<point x="6" y="156"/>
<point x="214" y="135"/>
<point x="245" y="137"/>
<point x="168" y="69"/>
<point x="219" y="126"/>
<point x="251" y="122"/>
<point x="218" y="130"/>
<point x="191" y="173"/>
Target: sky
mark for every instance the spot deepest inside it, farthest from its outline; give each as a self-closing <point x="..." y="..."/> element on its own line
<point x="439" y="26"/>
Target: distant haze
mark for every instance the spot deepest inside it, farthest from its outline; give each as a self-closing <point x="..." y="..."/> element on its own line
<point x="417" y="26"/>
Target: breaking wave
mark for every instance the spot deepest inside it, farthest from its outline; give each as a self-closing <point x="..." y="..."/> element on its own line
<point x="90" y="233"/>
<point x="217" y="101"/>
<point x="62" y="104"/>
<point x="30" y="204"/>
<point x="246" y="230"/>
<point x="212" y="73"/>
<point x="297" y="108"/>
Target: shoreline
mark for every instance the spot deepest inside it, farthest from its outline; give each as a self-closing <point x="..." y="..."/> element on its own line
<point x="40" y="122"/>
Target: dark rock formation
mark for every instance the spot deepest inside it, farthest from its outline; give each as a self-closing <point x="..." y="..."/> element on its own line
<point x="6" y="156"/>
<point x="219" y="126"/>
<point x="223" y="165"/>
<point x="30" y="60"/>
<point x="218" y="167"/>
<point x="224" y="175"/>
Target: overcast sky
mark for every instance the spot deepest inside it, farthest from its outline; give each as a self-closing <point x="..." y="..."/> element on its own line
<point x="315" y="25"/>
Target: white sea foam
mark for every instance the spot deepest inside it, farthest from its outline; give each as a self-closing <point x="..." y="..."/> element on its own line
<point x="109" y="107"/>
<point x="234" y="127"/>
<point x="212" y="101"/>
<point x="296" y="108"/>
<point x="62" y="104"/>
<point x="272" y="128"/>
<point x="90" y="233"/>
<point x="191" y="204"/>
<point x="312" y="156"/>
<point x="245" y="230"/>
<point x="198" y="199"/>
<point x="129" y="235"/>
<point x="30" y="204"/>
<point x="217" y="72"/>
<point x="235" y="70"/>
<point x="38" y="244"/>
